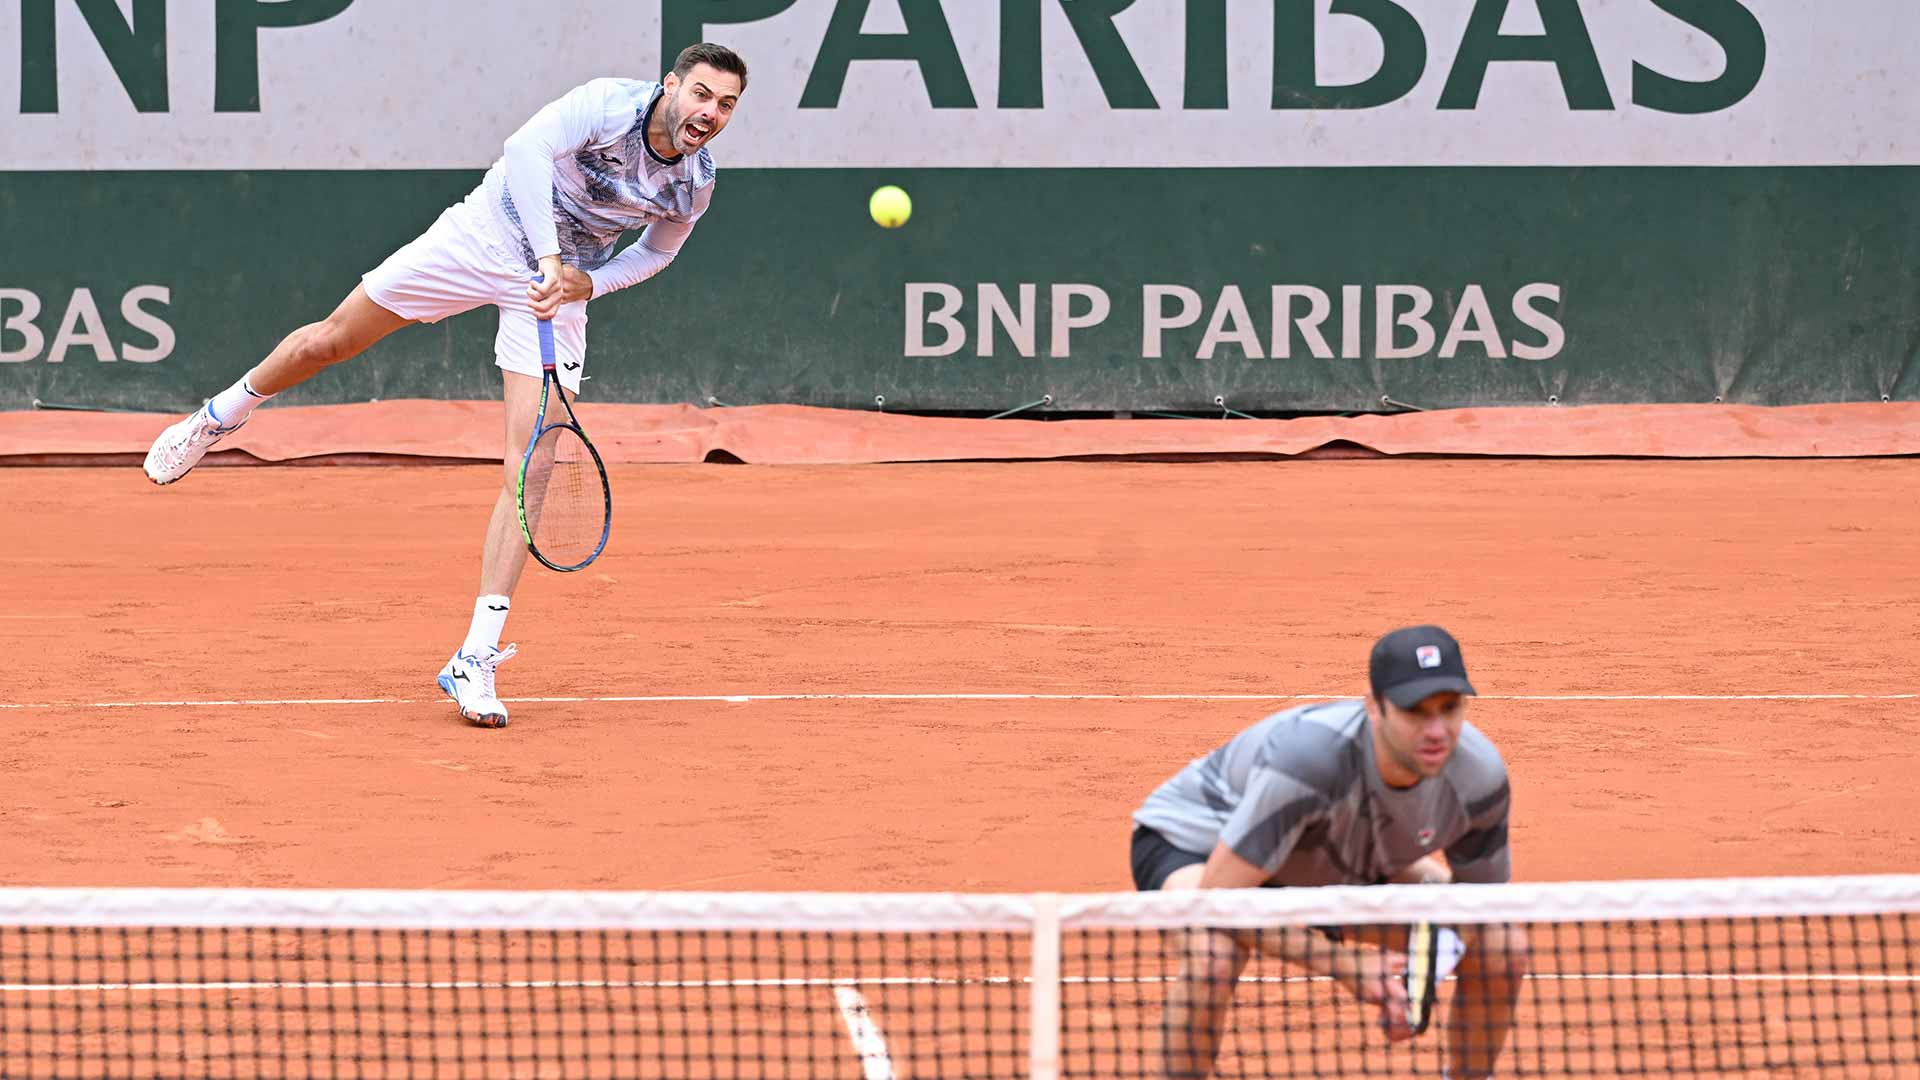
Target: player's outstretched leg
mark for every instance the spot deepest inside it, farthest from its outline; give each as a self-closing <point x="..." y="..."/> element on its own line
<point x="356" y="324"/>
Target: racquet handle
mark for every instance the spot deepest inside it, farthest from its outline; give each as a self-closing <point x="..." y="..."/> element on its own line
<point x="546" y="336"/>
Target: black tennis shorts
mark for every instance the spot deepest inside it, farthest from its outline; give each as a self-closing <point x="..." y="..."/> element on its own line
<point x="1154" y="859"/>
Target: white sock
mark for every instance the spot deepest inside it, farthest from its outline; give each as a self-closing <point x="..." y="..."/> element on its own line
<point x="489" y="618"/>
<point x="232" y="405"/>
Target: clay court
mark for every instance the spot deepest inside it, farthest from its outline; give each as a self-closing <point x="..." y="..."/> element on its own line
<point x="1617" y="614"/>
<point x="938" y="677"/>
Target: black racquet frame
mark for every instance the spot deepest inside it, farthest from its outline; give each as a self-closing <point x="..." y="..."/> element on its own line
<point x="550" y="390"/>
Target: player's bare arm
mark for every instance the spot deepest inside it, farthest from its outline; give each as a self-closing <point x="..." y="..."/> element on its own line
<point x="1372" y="975"/>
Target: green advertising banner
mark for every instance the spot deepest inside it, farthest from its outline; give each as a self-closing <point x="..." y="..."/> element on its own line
<point x="1119" y="205"/>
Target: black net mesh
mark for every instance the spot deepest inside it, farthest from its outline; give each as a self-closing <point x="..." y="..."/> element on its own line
<point x="1831" y="996"/>
<point x="1775" y="995"/>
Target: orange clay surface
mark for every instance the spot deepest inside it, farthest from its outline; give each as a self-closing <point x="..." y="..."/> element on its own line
<point x="1267" y="578"/>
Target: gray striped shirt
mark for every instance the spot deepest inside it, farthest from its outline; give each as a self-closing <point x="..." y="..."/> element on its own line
<point x="1299" y="795"/>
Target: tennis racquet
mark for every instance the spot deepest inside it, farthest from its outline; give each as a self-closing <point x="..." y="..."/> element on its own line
<point x="1432" y="954"/>
<point x="1423" y="955"/>
<point x="566" y="504"/>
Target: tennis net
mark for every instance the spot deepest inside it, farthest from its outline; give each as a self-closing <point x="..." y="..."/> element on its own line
<point x="1804" y="977"/>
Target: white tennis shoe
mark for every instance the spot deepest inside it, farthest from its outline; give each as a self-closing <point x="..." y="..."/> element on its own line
<point x="180" y="447"/>
<point x="468" y="680"/>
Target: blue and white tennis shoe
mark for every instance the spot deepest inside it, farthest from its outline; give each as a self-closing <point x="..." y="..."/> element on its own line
<point x="181" y="446"/>
<point x="468" y="680"/>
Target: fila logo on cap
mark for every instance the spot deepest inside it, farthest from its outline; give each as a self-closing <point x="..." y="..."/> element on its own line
<point x="1427" y="656"/>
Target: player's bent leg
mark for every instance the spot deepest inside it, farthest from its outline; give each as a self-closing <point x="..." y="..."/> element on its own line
<point x="356" y="324"/>
<point x="1486" y="990"/>
<point x="1199" y="998"/>
<point x="352" y="329"/>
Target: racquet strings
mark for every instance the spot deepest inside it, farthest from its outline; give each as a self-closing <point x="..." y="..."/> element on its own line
<point x="565" y="501"/>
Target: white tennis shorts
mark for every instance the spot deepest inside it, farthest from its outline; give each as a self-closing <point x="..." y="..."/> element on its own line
<point x="458" y="265"/>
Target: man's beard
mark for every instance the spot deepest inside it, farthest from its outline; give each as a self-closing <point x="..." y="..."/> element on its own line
<point x="676" y="123"/>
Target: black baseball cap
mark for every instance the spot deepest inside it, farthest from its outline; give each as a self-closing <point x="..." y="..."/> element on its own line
<point x="1416" y="662"/>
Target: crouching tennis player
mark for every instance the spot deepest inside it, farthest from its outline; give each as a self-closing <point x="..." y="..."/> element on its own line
<point x="1359" y="792"/>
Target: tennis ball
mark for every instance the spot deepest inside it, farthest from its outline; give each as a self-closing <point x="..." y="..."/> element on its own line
<point x="890" y="207"/>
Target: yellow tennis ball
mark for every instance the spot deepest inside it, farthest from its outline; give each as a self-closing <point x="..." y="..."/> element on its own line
<point x="890" y="207"/>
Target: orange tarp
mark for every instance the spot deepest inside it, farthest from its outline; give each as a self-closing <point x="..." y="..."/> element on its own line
<point x="788" y="434"/>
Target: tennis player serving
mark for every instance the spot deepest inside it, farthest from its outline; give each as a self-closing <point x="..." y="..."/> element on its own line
<point x="1358" y="792"/>
<point x="536" y="240"/>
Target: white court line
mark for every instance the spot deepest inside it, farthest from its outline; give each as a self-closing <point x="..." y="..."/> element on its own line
<point x="746" y="699"/>
<point x="886" y="980"/>
<point x="867" y="1040"/>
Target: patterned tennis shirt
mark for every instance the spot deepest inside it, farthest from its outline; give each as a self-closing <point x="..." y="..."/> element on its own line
<point x="585" y="163"/>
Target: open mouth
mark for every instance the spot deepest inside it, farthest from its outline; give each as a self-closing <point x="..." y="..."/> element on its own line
<point x="695" y="133"/>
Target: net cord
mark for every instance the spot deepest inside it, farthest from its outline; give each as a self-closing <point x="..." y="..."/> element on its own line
<point x="937" y="912"/>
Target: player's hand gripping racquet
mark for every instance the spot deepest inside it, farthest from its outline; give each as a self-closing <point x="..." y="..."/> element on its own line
<point x="566" y="504"/>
